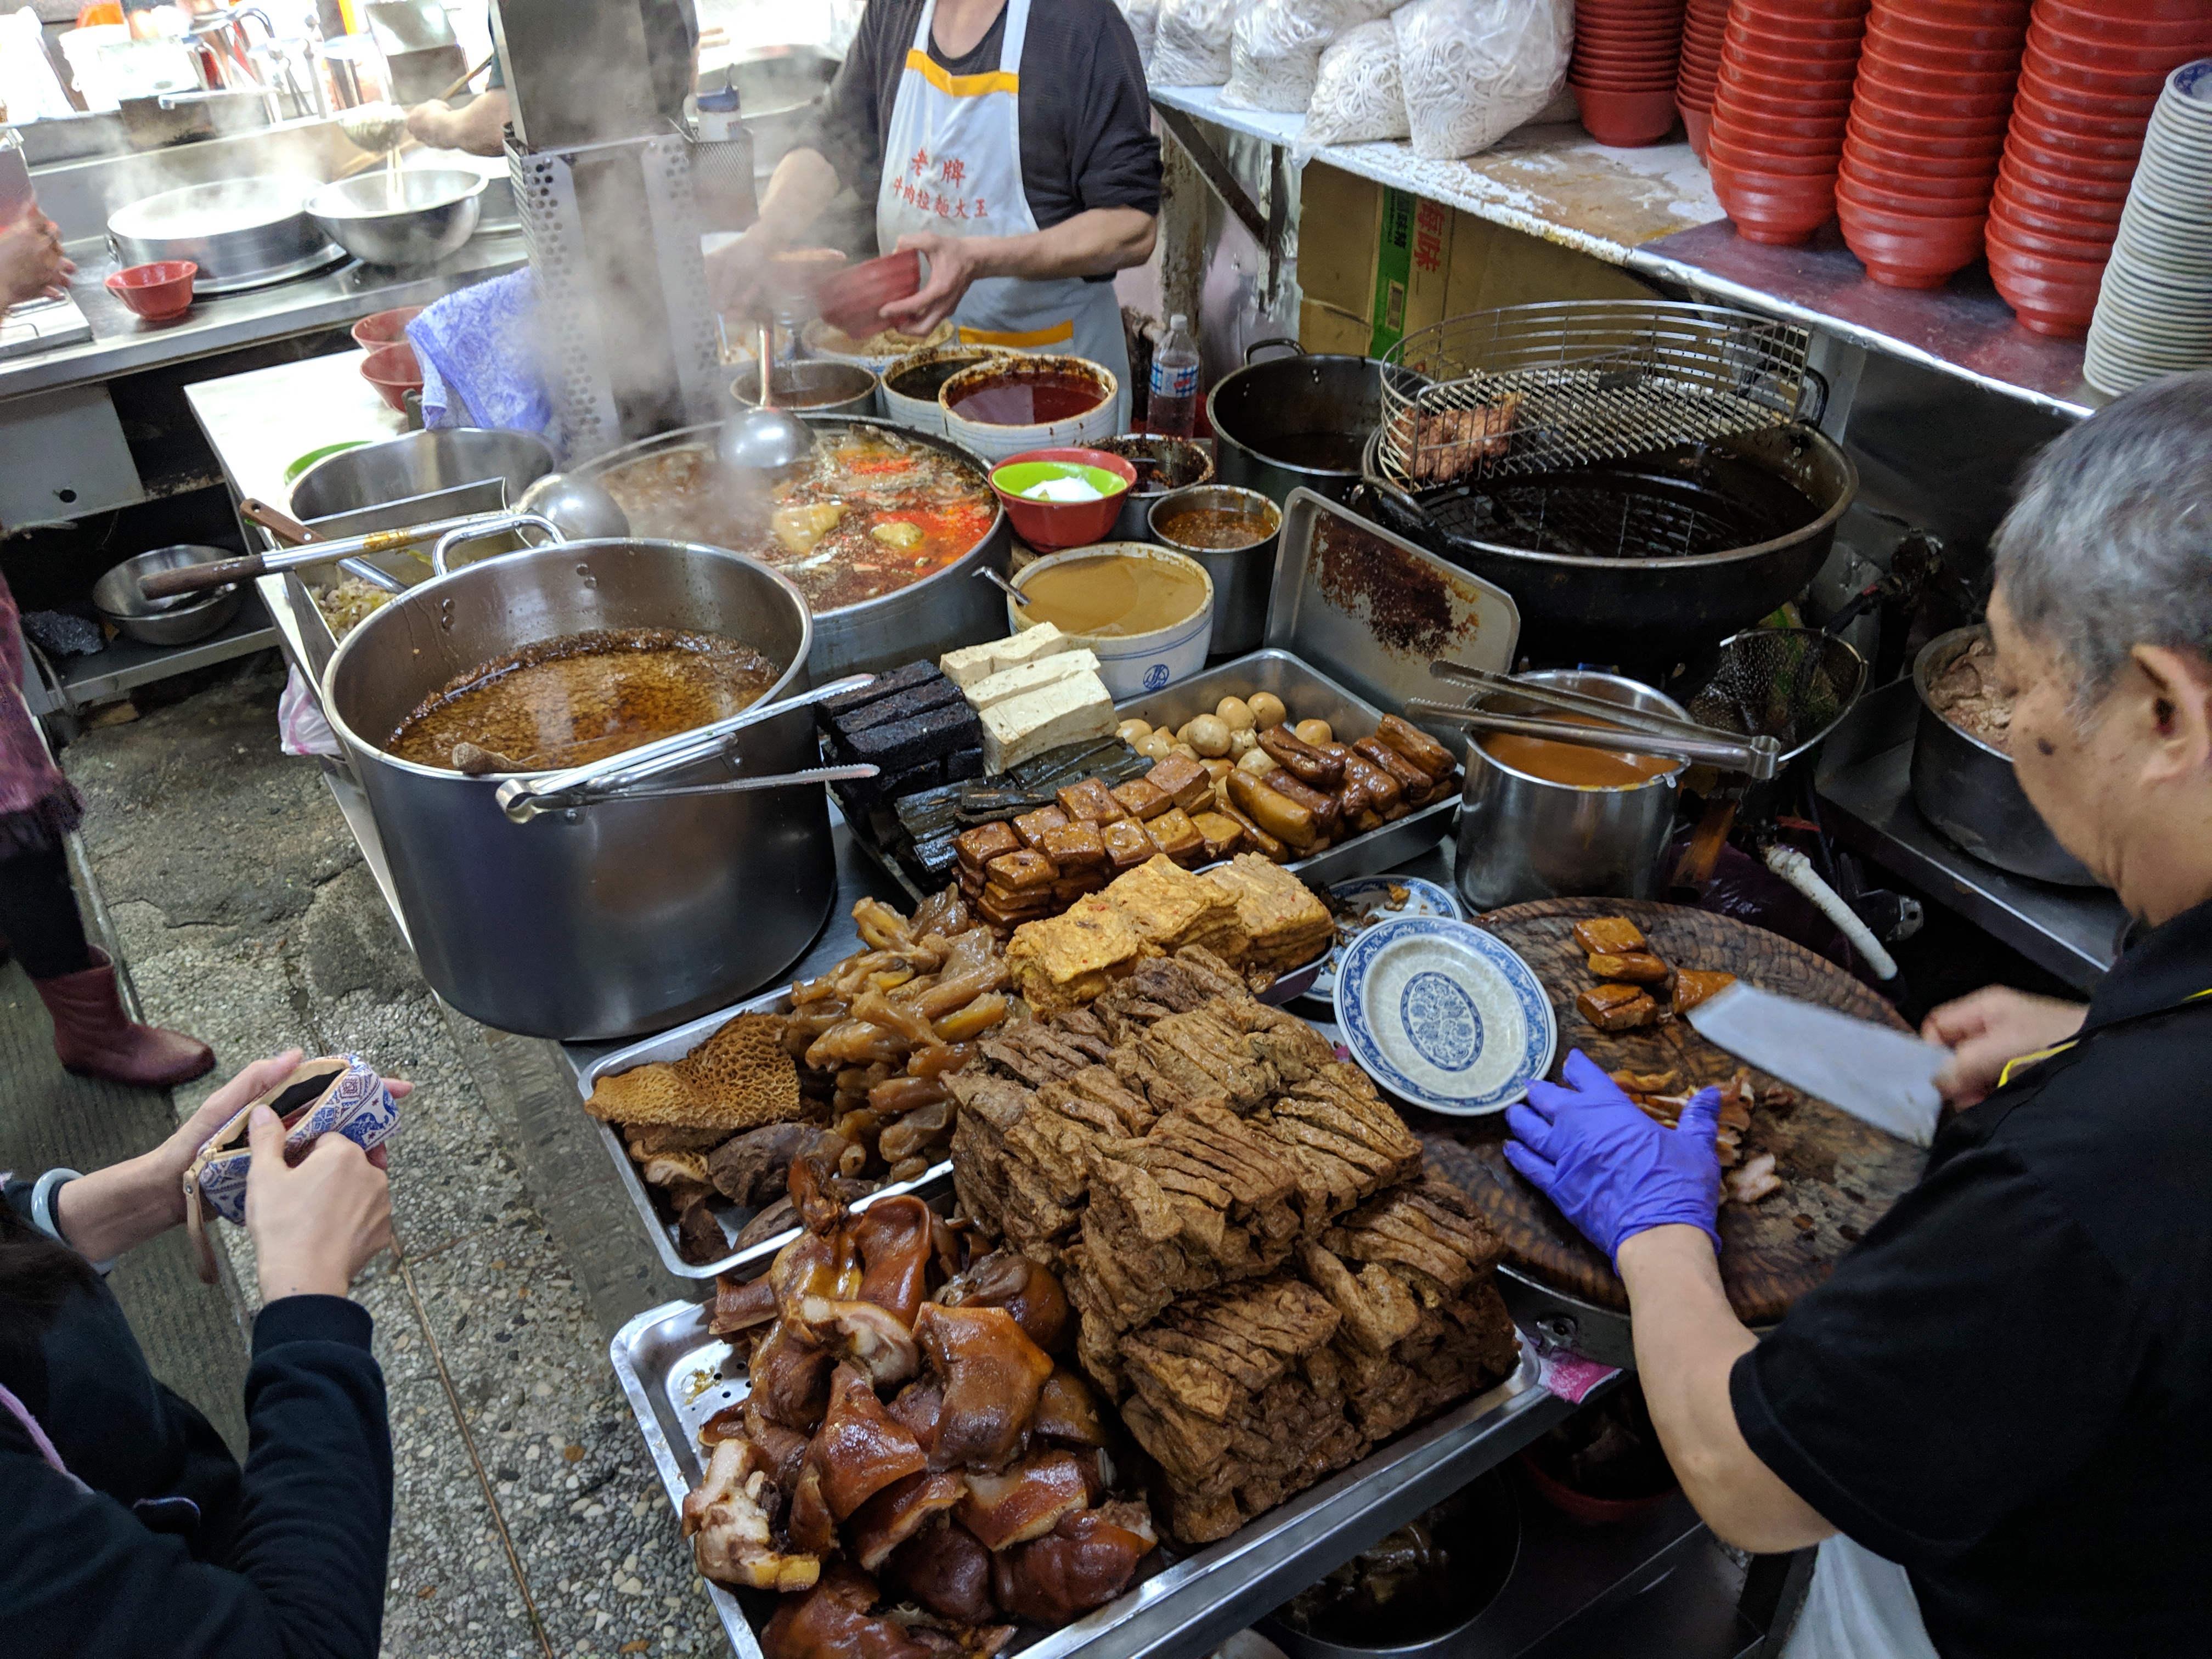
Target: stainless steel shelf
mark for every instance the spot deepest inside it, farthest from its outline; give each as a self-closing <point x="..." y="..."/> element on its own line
<point x="1865" y="787"/>
<point x="126" y="663"/>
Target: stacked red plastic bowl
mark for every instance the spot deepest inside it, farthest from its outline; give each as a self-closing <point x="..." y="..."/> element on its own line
<point x="1627" y="54"/>
<point x="1705" y="29"/>
<point x="1927" y="124"/>
<point x="1787" y="67"/>
<point x="2090" y="79"/>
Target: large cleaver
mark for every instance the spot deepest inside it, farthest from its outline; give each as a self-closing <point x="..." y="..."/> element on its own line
<point x="1879" y="1076"/>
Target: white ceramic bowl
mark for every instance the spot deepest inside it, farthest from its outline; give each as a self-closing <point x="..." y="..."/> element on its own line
<point x="1133" y="665"/>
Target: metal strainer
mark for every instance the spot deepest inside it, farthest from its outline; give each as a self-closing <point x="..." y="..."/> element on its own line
<point x="1792" y="684"/>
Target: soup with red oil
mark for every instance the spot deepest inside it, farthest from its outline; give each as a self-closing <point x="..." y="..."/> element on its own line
<point x="1027" y="399"/>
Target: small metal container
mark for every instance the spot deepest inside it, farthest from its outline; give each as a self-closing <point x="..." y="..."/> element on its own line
<point x="1293" y="422"/>
<point x="176" y="620"/>
<point x="237" y="231"/>
<point x="419" y="463"/>
<point x="1523" y="837"/>
<point x="436" y="211"/>
<point x="1163" y="465"/>
<point x="1241" y="574"/>
<point x="811" y="386"/>
<point x="1969" y="790"/>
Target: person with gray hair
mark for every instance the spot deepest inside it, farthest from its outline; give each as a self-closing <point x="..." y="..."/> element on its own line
<point x="1995" y="1419"/>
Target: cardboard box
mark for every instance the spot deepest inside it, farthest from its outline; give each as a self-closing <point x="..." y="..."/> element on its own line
<point x="1340" y="216"/>
<point x="1494" y="266"/>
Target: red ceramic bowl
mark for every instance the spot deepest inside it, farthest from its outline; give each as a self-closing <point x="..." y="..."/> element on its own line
<point x="1927" y="94"/>
<point x="1899" y="48"/>
<point x="852" y="298"/>
<point x="1922" y="73"/>
<point x="2178" y="20"/>
<point x="2065" y="315"/>
<point x="1907" y="28"/>
<point x="2100" y="54"/>
<point x="1626" y="120"/>
<point x="1698" y="124"/>
<point x="1904" y="112"/>
<point x="1051" y="526"/>
<point x="1608" y="58"/>
<point x="1894" y="146"/>
<point x="1807" y="80"/>
<point x="1766" y="20"/>
<point x="2045" y="222"/>
<point x="1850" y="185"/>
<point x="1779" y="217"/>
<point x="1649" y="75"/>
<point x="2065" y="179"/>
<point x="2146" y="81"/>
<point x="2046" y="155"/>
<point x="1792" y="45"/>
<point x="1898" y="260"/>
<point x="1964" y="14"/>
<point x="1972" y="187"/>
<point x="394" y="372"/>
<point x="156" y="292"/>
<point x="1790" y="135"/>
<point x="2064" y="96"/>
<point x="1623" y="86"/>
<point x="1771" y="97"/>
<point x="1787" y="12"/>
<point x="383" y="328"/>
<point x="2087" y="247"/>
<point x="1580" y="1505"/>
<point x="1589" y="32"/>
<point x="2033" y="102"/>
<point x="1757" y="158"/>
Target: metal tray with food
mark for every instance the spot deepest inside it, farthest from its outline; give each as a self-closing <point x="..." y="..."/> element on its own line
<point x="674" y="1044"/>
<point x="1308" y="694"/>
<point x="674" y="1373"/>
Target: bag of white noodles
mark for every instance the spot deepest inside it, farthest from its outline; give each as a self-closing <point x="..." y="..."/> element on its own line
<point x="1190" y="43"/>
<point x="1144" y="17"/>
<point x="1275" y="57"/>
<point x="1356" y="97"/>
<point x="1474" y="70"/>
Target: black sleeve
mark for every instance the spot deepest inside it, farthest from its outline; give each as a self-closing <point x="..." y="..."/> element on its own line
<point x="1112" y="152"/>
<point x="1972" y="1351"/>
<point x="847" y="129"/>
<point x="79" y="1574"/>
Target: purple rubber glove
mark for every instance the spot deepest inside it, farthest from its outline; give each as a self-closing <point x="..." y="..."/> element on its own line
<point x="1613" y="1170"/>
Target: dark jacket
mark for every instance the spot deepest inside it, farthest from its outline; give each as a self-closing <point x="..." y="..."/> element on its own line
<point x="175" y="1552"/>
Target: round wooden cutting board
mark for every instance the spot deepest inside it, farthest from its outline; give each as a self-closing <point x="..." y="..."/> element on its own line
<point x="1838" y="1174"/>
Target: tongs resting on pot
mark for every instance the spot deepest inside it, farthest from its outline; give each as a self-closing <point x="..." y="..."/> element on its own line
<point x="1645" y="731"/>
<point x="621" y="777"/>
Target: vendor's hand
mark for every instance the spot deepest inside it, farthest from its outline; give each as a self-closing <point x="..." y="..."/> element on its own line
<point x="954" y="262"/>
<point x="31" y="264"/>
<point x="1989" y="1028"/>
<point x="315" y="1224"/>
<point x="1613" y="1170"/>
<point x="432" y="124"/>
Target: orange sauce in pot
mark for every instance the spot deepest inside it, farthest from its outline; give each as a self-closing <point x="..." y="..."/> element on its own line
<point x="1572" y="763"/>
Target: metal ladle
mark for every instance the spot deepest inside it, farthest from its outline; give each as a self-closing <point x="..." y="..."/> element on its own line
<point x="583" y="511"/>
<point x="764" y="440"/>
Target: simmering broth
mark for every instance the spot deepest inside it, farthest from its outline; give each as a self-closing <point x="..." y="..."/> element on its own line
<point x="1572" y="763"/>
<point x="580" y="697"/>
<point x="1114" y="595"/>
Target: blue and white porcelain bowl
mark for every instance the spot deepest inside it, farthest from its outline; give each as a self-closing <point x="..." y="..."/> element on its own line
<point x="1444" y="1015"/>
<point x="1371" y="897"/>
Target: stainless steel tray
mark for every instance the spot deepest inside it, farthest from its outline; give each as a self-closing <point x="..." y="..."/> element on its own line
<point x="673" y="1372"/>
<point x="674" y="1044"/>
<point x="1334" y="621"/>
<point x="1311" y="695"/>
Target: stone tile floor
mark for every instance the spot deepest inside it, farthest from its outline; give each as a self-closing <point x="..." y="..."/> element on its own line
<point x="529" y="1520"/>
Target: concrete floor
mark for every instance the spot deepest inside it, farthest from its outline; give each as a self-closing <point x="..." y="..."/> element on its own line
<point x="529" y="1520"/>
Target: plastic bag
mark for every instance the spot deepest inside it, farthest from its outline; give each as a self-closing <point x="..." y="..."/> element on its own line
<point x="1275" y="55"/>
<point x="1858" y="1603"/>
<point x="1474" y="70"/>
<point x="1357" y="96"/>
<point x="1190" y="43"/>
<point x="1143" y="17"/>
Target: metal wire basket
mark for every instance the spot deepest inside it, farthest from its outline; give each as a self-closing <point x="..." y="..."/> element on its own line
<point x="1792" y="684"/>
<point x="1537" y="388"/>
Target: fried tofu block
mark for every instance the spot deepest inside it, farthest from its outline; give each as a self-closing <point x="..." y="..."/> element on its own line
<point x="1024" y="901"/>
<point x="1074" y="846"/>
<point x="1610" y="936"/>
<point x="985" y="842"/>
<point x="1417" y="747"/>
<point x="1694" y="985"/>
<point x="1143" y="800"/>
<point x="1174" y="834"/>
<point x="1003" y="916"/>
<point x="1127" y="844"/>
<point x="1617" y="1007"/>
<point x="1638" y="967"/>
<point x="1183" y="780"/>
<point x="1031" y="826"/>
<point x="1090" y="802"/>
<point x="1068" y="889"/>
<point x="1018" y="871"/>
<point x="1224" y="836"/>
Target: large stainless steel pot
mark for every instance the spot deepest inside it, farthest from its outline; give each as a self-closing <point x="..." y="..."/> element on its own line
<point x="1522" y="837"/>
<point x="237" y="231"/>
<point x="948" y="609"/>
<point x="429" y="215"/>
<point x="419" y="463"/>
<point x="622" y="916"/>
<point x="1273" y="422"/>
<point x="1969" y="790"/>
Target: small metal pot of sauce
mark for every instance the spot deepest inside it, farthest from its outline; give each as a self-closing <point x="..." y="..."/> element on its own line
<point x="813" y="384"/>
<point x="1552" y="820"/>
<point x="1233" y="533"/>
<point x="1161" y="463"/>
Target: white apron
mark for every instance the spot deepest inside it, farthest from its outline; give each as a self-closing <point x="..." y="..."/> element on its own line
<point x="952" y="164"/>
<point x="1858" y="1607"/>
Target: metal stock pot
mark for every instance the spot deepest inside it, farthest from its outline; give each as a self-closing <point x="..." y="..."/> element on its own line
<point x="617" y="908"/>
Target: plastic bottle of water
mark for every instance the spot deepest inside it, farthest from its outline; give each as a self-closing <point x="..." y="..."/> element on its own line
<point x="1173" y="410"/>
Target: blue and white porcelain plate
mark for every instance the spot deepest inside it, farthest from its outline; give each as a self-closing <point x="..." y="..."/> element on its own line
<point x="1371" y="899"/>
<point x="1444" y="1015"/>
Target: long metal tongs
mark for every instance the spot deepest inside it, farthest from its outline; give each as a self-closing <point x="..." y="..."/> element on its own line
<point x="1651" y="731"/>
<point x="618" y="777"/>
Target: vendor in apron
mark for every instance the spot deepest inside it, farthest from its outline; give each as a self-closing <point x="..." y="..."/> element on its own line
<point x="1995" y="1417"/>
<point x="1025" y="175"/>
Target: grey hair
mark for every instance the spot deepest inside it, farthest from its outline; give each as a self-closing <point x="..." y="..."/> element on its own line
<point x="2109" y="545"/>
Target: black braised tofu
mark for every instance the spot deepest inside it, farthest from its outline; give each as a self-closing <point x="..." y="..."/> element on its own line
<point x="899" y="744"/>
<point x="828" y="712"/>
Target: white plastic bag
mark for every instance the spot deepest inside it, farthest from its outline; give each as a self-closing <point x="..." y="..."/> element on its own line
<point x="1475" y="69"/>
<point x="1143" y="17"/>
<point x="1275" y="55"/>
<point x="1357" y="96"/>
<point x="1858" y="1603"/>
<point x="1190" y="44"/>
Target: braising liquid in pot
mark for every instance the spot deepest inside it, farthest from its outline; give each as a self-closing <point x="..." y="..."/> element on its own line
<point x="1323" y="451"/>
<point x="1114" y="595"/>
<point x="1028" y="399"/>
<point x="1572" y="763"/>
<point x="577" y="698"/>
